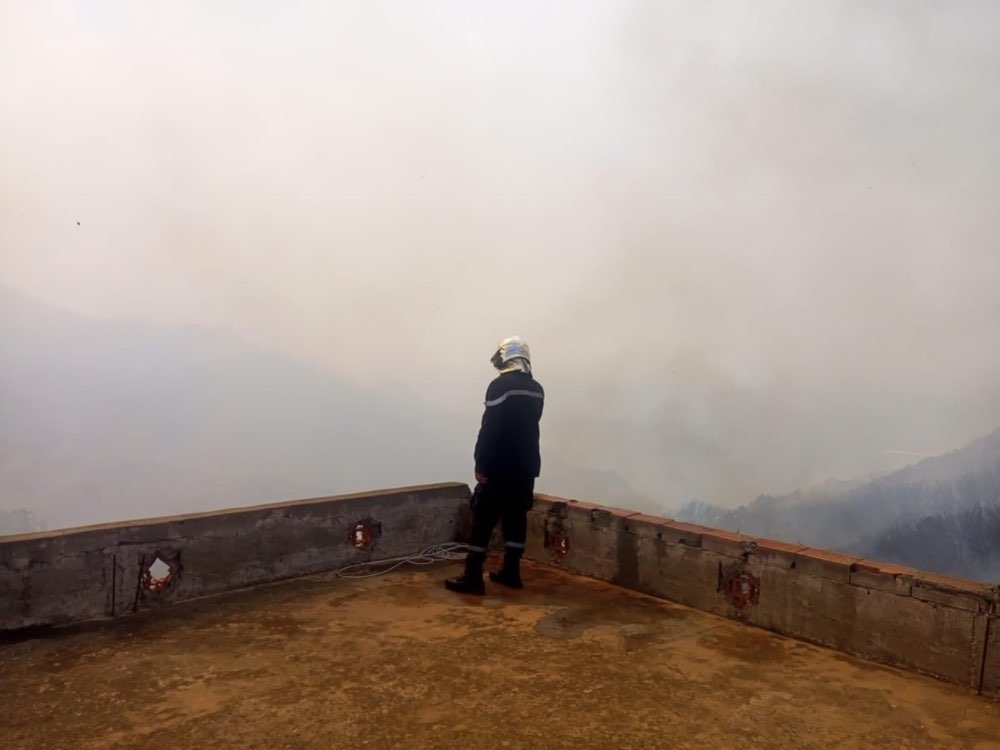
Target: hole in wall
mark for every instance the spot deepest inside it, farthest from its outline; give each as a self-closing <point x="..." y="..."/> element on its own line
<point x="159" y="571"/>
<point x="362" y="535"/>
<point x="742" y="589"/>
<point x="559" y="545"/>
<point x="159" y="575"/>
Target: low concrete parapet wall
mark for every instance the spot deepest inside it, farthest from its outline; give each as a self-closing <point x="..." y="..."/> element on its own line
<point x="917" y="620"/>
<point x="95" y="572"/>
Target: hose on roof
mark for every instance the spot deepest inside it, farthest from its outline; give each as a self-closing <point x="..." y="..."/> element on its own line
<point x="433" y="554"/>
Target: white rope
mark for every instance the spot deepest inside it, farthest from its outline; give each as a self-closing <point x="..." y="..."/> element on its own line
<point x="433" y="554"/>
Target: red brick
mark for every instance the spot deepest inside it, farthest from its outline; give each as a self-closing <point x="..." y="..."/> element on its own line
<point x="581" y="504"/>
<point x="647" y="518"/>
<point x="621" y="512"/>
<point x="575" y="508"/>
<point x="553" y="500"/>
<point x="954" y="592"/>
<point x="678" y="532"/>
<point x="890" y="568"/>
<point x="825" y="564"/>
<point x="779" y="546"/>
<point x="549" y="498"/>
<point x="776" y="553"/>
<point x="600" y="506"/>
<point x="695" y="527"/>
<point x="647" y="526"/>
<point x="956" y="585"/>
<point x="600" y="515"/>
<point x="874" y="566"/>
<point x="725" y="542"/>
<point x="586" y="505"/>
<point x="968" y="602"/>
<point x="883" y="576"/>
<point x="864" y="566"/>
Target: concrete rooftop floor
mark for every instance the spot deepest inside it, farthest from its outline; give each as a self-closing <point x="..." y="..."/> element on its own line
<point x="398" y="662"/>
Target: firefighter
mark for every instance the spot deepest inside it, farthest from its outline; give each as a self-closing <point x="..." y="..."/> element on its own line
<point x="508" y="461"/>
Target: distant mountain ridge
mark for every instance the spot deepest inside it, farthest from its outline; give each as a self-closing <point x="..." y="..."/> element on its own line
<point x="888" y="516"/>
<point x="979" y="455"/>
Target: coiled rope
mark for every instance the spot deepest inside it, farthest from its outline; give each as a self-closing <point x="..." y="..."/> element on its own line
<point x="433" y="554"/>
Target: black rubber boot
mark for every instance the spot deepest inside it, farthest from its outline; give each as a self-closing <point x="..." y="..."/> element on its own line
<point x="510" y="574"/>
<point x="471" y="581"/>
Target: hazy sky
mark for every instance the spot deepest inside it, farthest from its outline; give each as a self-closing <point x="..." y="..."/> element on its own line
<point x="738" y="236"/>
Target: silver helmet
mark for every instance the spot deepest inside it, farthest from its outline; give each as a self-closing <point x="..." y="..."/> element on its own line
<point x="512" y="354"/>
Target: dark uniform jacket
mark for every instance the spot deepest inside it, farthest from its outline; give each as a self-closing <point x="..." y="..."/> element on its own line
<point x="507" y="447"/>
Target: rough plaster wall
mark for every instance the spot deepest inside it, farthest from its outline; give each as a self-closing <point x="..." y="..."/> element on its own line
<point x="90" y="573"/>
<point x="917" y="620"/>
<point x="991" y="661"/>
<point x="887" y="613"/>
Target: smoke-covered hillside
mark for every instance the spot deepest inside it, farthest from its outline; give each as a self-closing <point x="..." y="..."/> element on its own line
<point x="966" y="543"/>
<point x="940" y="514"/>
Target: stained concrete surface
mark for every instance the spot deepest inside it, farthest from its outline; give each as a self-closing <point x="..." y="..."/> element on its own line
<point x="397" y="661"/>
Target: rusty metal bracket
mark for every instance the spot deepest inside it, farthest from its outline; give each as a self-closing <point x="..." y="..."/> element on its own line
<point x="558" y="543"/>
<point x="742" y="589"/>
<point x="364" y="533"/>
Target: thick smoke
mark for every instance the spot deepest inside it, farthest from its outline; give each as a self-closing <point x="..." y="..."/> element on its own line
<point x="752" y="247"/>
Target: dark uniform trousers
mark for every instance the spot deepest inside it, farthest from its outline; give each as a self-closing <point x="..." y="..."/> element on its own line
<point x="504" y="501"/>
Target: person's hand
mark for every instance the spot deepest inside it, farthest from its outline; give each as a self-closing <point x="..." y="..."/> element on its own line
<point x="480" y="478"/>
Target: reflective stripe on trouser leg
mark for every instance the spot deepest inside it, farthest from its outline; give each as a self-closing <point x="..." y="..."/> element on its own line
<point x="515" y="528"/>
<point x="512" y="554"/>
<point x="474" y="561"/>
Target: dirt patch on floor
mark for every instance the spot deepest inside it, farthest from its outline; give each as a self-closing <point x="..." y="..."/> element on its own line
<point x="397" y="661"/>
